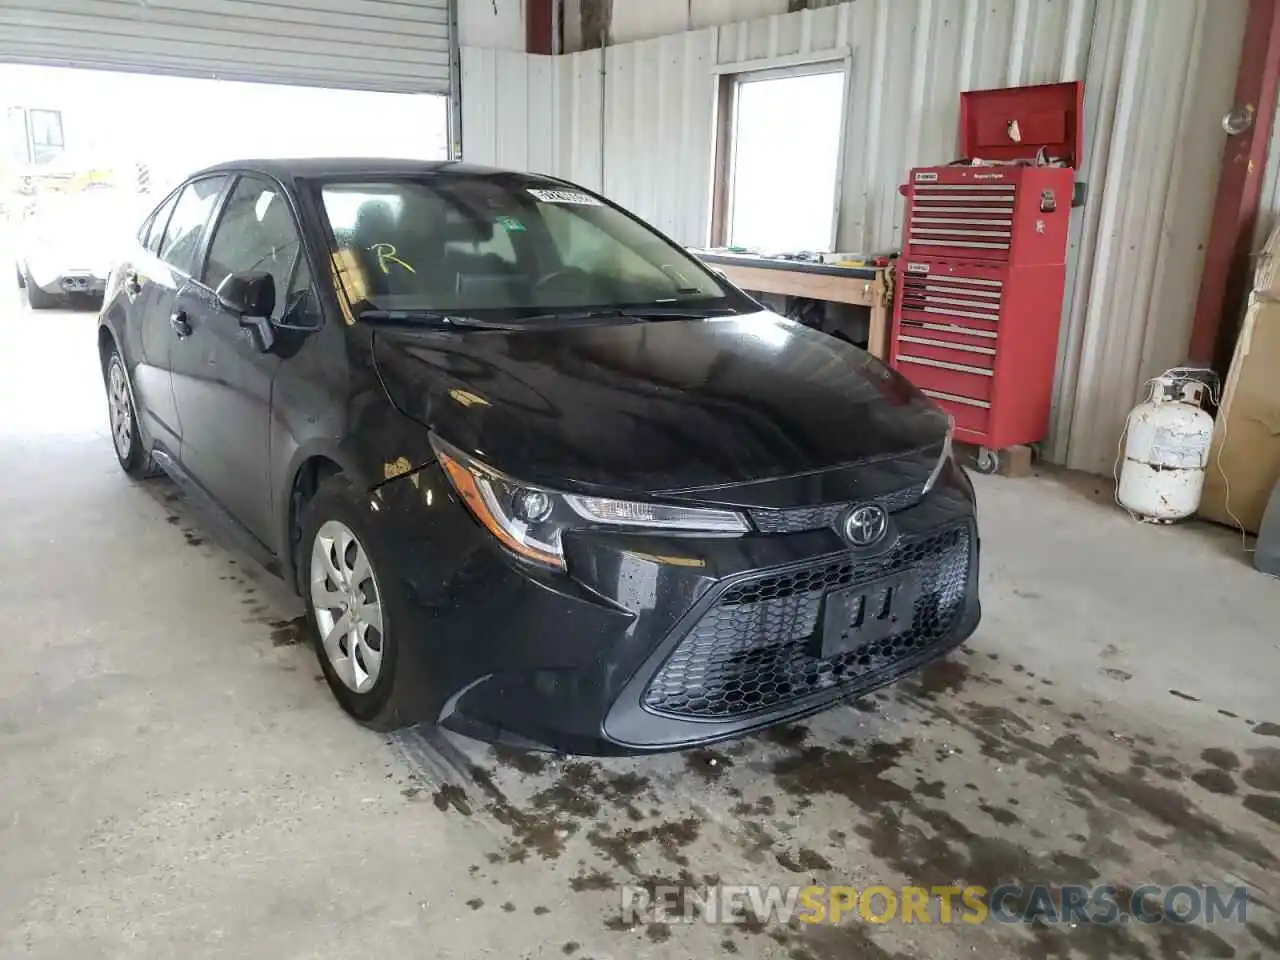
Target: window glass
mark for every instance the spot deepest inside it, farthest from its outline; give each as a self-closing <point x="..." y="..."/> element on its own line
<point x="300" y="308"/>
<point x="513" y="244"/>
<point x="153" y="231"/>
<point x="256" y="233"/>
<point x="774" y="207"/>
<point x="186" y="226"/>
<point x="46" y="134"/>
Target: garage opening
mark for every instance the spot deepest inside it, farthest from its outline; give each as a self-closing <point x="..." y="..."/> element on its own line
<point x="88" y="152"/>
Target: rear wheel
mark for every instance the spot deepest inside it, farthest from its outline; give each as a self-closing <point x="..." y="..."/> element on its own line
<point x="134" y="460"/>
<point x="356" y="608"/>
<point x="38" y="299"/>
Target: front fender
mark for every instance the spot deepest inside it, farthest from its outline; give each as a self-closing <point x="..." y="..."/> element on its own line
<point x="381" y="444"/>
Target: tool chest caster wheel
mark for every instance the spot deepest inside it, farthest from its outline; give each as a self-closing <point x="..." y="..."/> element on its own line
<point x="987" y="461"/>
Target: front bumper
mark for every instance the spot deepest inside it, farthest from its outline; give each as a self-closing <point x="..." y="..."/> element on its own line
<point x="655" y="643"/>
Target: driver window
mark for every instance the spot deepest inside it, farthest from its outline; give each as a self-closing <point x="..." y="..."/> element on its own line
<point x="256" y="234"/>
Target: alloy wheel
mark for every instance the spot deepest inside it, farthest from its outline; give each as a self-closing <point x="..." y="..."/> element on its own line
<point x="347" y="605"/>
<point x="120" y="411"/>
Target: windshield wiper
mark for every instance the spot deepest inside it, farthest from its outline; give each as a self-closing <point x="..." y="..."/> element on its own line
<point x="434" y="318"/>
<point x="635" y="314"/>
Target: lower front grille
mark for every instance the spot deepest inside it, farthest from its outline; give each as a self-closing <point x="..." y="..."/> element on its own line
<point x="754" y="651"/>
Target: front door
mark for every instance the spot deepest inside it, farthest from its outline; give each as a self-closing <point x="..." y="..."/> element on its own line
<point x="222" y="376"/>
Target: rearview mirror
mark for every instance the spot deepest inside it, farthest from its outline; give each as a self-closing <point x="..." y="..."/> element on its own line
<point x="248" y="295"/>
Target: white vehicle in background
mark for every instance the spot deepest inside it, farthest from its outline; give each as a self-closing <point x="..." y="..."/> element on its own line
<point x="66" y="245"/>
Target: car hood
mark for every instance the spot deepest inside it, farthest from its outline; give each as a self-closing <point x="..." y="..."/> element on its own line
<point x="669" y="406"/>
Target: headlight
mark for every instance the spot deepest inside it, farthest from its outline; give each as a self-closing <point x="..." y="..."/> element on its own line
<point x="944" y="458"/>
<point x="530" y="520"/>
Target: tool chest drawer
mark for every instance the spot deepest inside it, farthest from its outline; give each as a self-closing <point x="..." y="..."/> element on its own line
<point x="962" y="219"/>
<point x="968" y="382"/>
<point x="981" y="341"/>
<point x="954" y="355"/>
<point x="971" y="416"/>
<point x="939" y="330"/>
<point x="994" y="214"/>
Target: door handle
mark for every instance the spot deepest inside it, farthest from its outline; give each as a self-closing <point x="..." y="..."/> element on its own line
<point x="181" y="323"/>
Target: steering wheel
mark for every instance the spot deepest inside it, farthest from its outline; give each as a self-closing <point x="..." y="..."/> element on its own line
<point x="557" y="276"/>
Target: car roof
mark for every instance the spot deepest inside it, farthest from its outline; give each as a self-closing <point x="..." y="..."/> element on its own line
<point x="321" y="168"/>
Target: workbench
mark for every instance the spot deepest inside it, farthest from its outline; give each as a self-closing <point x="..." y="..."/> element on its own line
<point x="861" y="286"/>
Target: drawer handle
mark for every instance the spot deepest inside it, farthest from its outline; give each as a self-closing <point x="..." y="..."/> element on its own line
<point x="991" y="188"/>
<point x="951" y="328"/>
<point x="959" y="232"/>
<point x="973" y="221"/>
<point x="946" y="278"/>
<point x="950" y="313"/>
<point x="929" y="298"/>
<point x="966" y="347"/>
<point x="975" y="245"/>
<point x="969" y="207"/>
<point x="968" y="401"/>
<point x="944" y="365"/>
<point x="959" y="292"/>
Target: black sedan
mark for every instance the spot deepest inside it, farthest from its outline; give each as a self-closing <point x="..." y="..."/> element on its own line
<point x="540" y="476"/>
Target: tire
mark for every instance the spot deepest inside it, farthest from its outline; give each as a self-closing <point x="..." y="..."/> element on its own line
<point x="38" y="299"/>
<point x="123" y="419"/>
<point x="377" y="698"/>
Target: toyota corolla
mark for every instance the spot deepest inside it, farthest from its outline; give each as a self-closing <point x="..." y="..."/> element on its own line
<point x="539" y="475"/>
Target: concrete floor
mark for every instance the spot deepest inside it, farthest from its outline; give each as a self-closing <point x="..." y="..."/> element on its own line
<point x="175" y="780"/>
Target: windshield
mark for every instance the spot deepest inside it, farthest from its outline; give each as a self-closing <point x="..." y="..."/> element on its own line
<point x="502" y="247"/>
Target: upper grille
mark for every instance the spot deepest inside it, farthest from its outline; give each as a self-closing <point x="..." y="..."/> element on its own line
<point x="753" y="651"/>
<point x="799" y="519"/>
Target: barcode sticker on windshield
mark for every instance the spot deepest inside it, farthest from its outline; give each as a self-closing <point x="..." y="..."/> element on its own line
<point x="565" y="196"/>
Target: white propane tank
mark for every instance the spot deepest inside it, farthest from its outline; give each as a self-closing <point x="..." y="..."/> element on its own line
<point x="1167" y="451"/>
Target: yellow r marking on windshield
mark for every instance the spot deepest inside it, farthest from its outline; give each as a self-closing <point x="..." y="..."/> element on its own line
<point x="387" y="254"/>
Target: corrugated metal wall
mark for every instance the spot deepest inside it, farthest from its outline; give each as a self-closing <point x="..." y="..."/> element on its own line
<point x="357" y="44"/>
<point x="1161" y="74"/>
<point x="1158" y="75"/>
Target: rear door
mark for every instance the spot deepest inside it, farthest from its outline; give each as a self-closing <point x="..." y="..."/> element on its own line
<point x="169" y="270"/>
<point x="222" y="376"/>
<point x="149" y="342"/>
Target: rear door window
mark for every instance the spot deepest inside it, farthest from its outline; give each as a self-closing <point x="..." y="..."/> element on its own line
<point x="186" y="228"/>
<point x="153" y="231"/>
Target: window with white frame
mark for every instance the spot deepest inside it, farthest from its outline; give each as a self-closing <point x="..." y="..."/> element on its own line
<point x="780" y="164"/>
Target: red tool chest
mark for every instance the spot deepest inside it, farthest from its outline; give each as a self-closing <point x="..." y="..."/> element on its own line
<point x="983" y="269"/>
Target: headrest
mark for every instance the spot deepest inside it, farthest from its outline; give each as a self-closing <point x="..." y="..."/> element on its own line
<point x="375" y="221"/>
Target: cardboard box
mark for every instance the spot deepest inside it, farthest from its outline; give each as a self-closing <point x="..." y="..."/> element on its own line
<point x="1244" y="461"/>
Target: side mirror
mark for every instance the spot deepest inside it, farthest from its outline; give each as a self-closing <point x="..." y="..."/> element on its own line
<point x="250" y="296"/>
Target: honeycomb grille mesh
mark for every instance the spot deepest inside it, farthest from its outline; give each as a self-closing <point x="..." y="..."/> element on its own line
<point x="753" y="651"/>
<point x="801" y="519"/>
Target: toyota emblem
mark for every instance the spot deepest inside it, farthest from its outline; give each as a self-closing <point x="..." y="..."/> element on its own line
<point x="866" y="526"/>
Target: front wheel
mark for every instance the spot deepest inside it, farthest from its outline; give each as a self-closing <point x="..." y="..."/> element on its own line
<point x="356" y="609"/>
